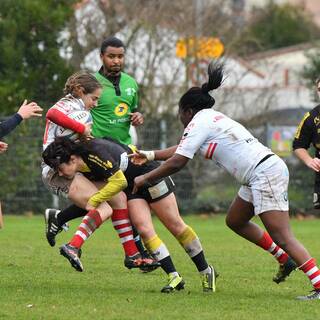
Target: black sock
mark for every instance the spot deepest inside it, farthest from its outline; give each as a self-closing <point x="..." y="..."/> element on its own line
<point x="167" y="265"/>
<point x="200" y="261"/>
<point x="70" y="213"/>
<point x="137" y="240"/>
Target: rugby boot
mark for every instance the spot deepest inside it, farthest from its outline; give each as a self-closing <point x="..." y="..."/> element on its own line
<point x="72" y="254"/>
<point x="137" y="261"/>
<point x="174" y="283"/>
<point x="208" y="280"/>
<point x="284" y="270"/>
<point x="52" y="226"/>
<point x="146" y="255"/>
<point x="313" y="295"/>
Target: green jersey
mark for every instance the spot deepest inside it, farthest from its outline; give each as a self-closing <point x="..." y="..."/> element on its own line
<point x="111" y="117"/>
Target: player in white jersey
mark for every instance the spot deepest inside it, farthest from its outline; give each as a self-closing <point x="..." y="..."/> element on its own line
<point x="82" y="92"/>
<point x="263" y="175"/>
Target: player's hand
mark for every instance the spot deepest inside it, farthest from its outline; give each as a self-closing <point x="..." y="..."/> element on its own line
<point x="139" y="182"/>
<point x="87" y="131"/>
<point x="140" y="157"/>
<point x="3" y="147"/>
<point x="28" y="110"/>
<point x="136" y="118"/>
<point x="314" y="164"/>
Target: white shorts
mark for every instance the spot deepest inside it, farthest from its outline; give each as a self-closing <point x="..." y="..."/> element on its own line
<point x="54" y="183"/>
<point x="268" y="186"/>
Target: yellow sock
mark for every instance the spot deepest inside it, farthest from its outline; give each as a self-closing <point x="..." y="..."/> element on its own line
<point x="157" y="248"/>
<point x="190" y="241"/>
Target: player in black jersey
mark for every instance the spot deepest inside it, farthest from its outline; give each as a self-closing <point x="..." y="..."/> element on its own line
<point x="71" y="157"/>
<point x="308" y="132"/>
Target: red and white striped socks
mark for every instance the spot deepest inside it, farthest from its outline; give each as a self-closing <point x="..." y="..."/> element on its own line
<point x="121" y="223"/>
<point x="89" y="224"/>
<point x="267" y="244"/>
<point x="312" y="272"/>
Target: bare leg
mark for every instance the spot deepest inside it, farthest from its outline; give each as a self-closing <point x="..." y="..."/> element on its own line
<point x="278" y="226"/>
<point x="167" y="211"/>
<point x="140" y="216"/>
<point x="238" y="220"/>
<point x="81" y="190"/>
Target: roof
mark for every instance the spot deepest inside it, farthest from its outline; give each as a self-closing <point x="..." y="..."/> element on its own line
<point x="283" y="117"/>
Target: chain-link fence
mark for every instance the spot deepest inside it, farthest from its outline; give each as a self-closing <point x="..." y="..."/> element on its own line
<point x="200" y="187"/>
<point x="22" y="188"/>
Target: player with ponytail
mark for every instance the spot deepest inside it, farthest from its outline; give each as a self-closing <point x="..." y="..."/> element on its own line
<point x="263" y="175"/>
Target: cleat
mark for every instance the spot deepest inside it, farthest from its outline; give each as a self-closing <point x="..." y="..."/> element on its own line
<point x="208" y="280"/>
<point x="52" y="226"/>
<point x="147" y="255"/>
<point x="73" y="255"/>
<point x="174" y="283"/>
<point x="284" y="270"/>
<point x="137" y="261"/>
<point x="314" y="295"/>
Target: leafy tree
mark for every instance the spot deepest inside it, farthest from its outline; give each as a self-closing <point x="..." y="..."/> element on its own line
<point x="31" y="65"/>
<point x="311" y="71"/>
<point x="276" y="26"/>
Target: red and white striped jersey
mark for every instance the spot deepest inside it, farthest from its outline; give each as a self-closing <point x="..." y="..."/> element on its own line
<point x="223" y="140"/>
<point x="57" y="117"/>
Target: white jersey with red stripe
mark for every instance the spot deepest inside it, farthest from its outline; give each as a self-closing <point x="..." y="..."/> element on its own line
<point x="223" y="140"/>
<point x="66" y="105"/>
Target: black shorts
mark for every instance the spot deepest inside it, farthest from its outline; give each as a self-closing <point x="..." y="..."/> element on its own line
<point x="152" y="193"/>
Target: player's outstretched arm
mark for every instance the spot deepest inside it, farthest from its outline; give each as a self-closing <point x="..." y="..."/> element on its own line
<point x="28" y="110"/>
<point x="142" y="156"/>
<point x="170" y="166"/>
<point x="25" y="111"/>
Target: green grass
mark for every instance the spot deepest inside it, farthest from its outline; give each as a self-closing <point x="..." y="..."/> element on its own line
<point x="35" y="275"/>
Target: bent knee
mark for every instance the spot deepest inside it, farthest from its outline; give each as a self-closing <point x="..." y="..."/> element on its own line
<point x="231" y="223"/>
<point x="177" y="228"/>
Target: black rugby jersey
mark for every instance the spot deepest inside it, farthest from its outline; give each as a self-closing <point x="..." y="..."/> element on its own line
<point x="106" y="156"/>
<point x="308" y="131"/>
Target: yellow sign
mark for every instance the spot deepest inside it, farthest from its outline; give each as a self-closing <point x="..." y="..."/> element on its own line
<point x="201" y="48"/>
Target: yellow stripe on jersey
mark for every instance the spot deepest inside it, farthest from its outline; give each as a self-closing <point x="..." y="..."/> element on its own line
<point x="297" y="135"/>
<point x="133" y="148"/>
<point x="104" y="164"/>
<point x="115" y="184"/>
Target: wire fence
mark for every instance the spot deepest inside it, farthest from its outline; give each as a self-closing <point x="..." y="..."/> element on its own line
<point x="22" y="189"/>
<point x="200" y="187"/>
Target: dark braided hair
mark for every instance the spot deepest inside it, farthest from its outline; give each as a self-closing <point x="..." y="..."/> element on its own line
<point x="197" y="98"/>
<point x="61" y="150"/>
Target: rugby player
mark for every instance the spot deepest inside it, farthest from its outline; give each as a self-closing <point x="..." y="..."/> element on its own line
<point x="263" y="175"/>
<point x="99" y="160"/>
<point x="82" y="91"/>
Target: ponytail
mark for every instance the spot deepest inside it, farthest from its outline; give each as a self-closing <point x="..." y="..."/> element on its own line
<point x="197" y="98"/>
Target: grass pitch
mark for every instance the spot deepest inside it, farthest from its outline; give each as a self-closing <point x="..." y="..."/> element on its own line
<point x="37" y="283"/>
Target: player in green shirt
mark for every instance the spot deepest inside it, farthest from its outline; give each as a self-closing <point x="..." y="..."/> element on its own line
<point x="117" y="106"/>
